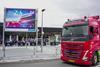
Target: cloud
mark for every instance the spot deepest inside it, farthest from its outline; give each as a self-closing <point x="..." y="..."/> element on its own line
<point x="79" y="7"/>
<point x="57" y="11"/>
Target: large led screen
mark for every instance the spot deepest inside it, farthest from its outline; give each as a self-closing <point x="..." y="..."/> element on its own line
<point x="17" y="19"/>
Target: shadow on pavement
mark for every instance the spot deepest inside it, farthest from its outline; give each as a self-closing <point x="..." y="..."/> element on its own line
<point x="77" y="65"/>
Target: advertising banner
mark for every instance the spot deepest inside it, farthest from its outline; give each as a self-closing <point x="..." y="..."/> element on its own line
<point x="22" y="20"/>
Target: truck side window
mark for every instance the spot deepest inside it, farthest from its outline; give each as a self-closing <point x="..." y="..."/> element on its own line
<point x="91" y="28"/>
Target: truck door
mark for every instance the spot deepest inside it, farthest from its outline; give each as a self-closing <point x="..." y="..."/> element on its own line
<point x="95" y="36"/>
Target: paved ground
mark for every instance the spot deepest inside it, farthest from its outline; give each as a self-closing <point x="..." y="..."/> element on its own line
<point x="22" y="53"/>
<point x="42" y="63"/>
<point x="25" y="57"/>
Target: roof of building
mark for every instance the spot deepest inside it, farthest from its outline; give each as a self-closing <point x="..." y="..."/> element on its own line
<point x="50" y="29"/>
<point x="45" y="29"/>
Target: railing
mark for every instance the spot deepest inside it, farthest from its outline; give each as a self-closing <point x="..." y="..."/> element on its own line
<point x="15" y="53"/>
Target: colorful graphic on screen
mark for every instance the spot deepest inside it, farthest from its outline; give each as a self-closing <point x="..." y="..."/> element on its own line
<point x="20" y="19"/>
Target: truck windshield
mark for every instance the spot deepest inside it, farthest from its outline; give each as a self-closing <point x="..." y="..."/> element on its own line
<point x="75" y="33"/>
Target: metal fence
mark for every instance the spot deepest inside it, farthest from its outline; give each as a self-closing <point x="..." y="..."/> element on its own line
<point x="29" y="52"/>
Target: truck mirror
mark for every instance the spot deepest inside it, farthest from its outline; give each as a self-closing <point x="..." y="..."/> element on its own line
<point x="93" y="30"/>
<point x="96" y="30"/>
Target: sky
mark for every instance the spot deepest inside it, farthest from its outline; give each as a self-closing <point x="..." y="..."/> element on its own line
<point x="57" y="11"/>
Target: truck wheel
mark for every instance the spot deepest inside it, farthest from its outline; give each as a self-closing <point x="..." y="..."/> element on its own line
<point x="95" y="58"/>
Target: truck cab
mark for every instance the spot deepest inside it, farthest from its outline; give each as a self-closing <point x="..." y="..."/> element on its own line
<point x="80" y="42"/>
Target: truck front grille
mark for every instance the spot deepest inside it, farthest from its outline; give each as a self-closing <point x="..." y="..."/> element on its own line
<point x="73" y="51"/>
<point x="73" y="54"/>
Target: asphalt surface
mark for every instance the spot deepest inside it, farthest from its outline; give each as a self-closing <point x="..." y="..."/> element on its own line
<point x="42" y="63"/>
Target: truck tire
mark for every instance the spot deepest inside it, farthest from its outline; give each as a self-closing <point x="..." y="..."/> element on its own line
<point x="95" y="58"/>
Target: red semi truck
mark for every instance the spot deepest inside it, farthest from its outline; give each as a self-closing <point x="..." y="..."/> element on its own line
<point x="80" y="42"/>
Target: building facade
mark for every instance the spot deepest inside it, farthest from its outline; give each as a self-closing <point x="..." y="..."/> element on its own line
<point x="51" y="36"/>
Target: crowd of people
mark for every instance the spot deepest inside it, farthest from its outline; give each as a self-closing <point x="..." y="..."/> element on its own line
<point x="24" y="42"/>
<point x="28" y="42"/>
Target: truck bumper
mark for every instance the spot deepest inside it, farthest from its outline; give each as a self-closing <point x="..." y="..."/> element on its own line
<point x="78" y="61"/>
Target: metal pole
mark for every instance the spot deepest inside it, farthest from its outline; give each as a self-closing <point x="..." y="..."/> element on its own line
<point x="3" y="44"/>
<point x="42" y="32"/>
<point x="10" y="38"/>
<point x="3" y="41"/>
<point x="26" y="43"/>
<point x="36" y="38"/>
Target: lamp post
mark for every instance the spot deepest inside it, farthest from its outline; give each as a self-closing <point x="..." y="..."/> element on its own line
<point x="42" y="32"/>
<point x="3" y="39"/>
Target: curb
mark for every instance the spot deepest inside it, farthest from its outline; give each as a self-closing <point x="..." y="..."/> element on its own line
<point x="26" y="61"/>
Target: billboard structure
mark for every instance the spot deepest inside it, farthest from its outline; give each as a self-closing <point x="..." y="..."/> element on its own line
<point x="22" y="20"/>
